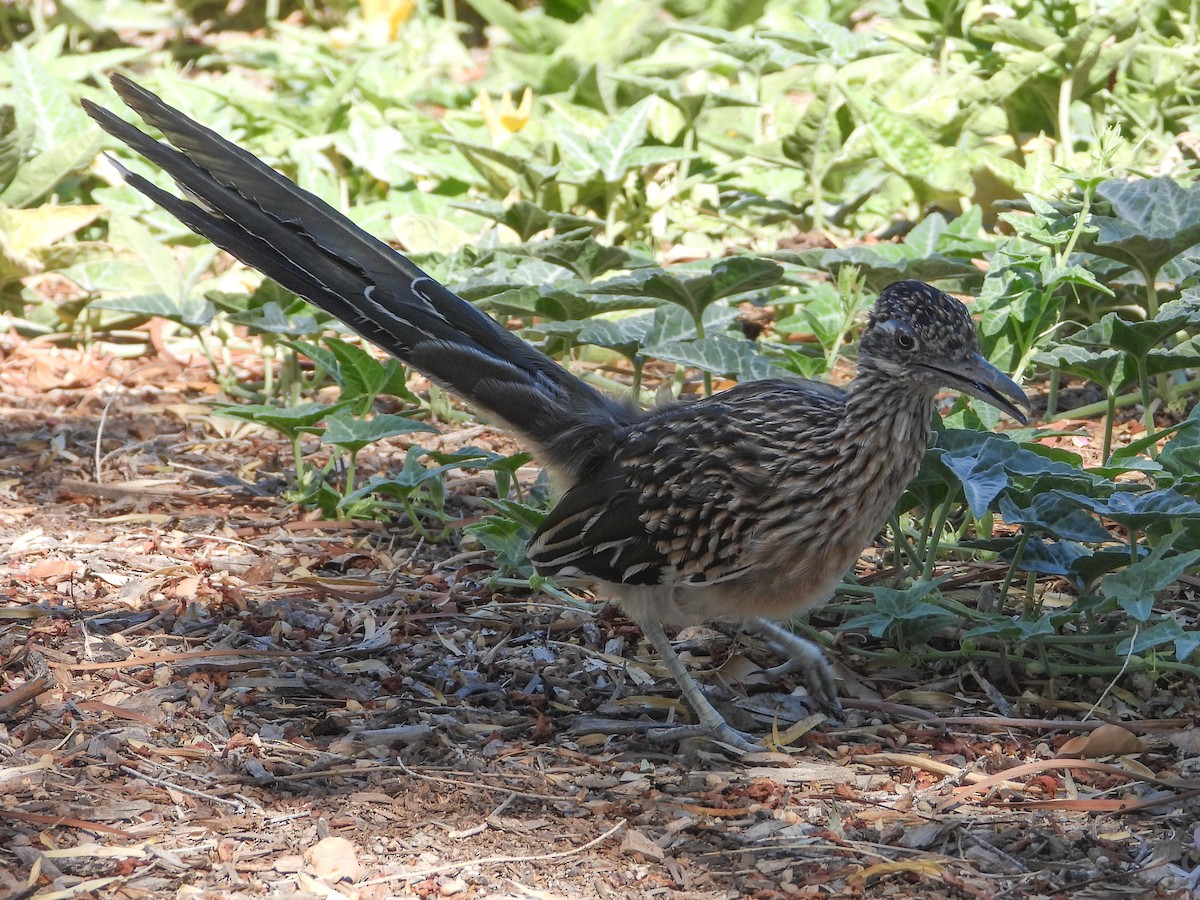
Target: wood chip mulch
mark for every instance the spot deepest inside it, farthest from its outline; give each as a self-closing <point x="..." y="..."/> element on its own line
<point x="204" y="694"/>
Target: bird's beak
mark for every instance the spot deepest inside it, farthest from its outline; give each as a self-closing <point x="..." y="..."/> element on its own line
<point x="979" y="378"/>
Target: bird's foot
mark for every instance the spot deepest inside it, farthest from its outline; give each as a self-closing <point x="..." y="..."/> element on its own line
<point x="719" y="731"/>
<point x="806" y="658"/>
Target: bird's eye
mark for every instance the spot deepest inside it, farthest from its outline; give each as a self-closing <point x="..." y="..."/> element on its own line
<point x="906" y="341"/>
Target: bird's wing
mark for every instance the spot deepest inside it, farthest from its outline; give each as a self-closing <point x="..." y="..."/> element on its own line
<point x="689" y="489"/>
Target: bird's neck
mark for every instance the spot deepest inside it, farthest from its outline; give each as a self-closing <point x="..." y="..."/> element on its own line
<point x="892" y="414"/>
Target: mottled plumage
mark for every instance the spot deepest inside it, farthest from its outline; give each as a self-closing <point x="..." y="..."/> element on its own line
<point x="750" y="505"/>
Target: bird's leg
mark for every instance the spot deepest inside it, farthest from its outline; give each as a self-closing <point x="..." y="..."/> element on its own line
<point x="711" y="725"/>
<point x="806" y="658"/>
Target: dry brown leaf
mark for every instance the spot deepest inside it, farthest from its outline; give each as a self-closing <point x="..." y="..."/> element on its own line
<point x="1107" y="740"/>
<point x="54" y="568"/>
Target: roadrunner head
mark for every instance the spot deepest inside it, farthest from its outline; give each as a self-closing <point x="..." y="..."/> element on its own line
<point x="920" y="334"/>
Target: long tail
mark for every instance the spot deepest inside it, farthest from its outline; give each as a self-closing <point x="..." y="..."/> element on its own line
<point x="250" y="210"/>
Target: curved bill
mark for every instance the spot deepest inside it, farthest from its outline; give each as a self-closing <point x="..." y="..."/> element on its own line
<point x="979" y="378"/>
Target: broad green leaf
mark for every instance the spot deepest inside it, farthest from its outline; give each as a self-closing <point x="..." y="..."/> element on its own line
<point x="1137" y="509"/>
<point x="41" y="227"/>
<point x="903" y="615"/>
<point x="1181" y="454"/>
<point x="720" y="354"/>
<point x="585" y="257"/>
<point x="1150" y="221"/>
<point x="354" y="433"/>
<point x="290" y="420"/>
<point x="1099" y="365"/>
<point x="1050" y="514"/>
<point x="1140" y="338"/>
<point x="1166" y="631"/>
<point x="159" y="261"/>
<point x="694" y="290"/>
<point x="614" y="145"/>
<point x="271" y="318"/>
<point x="194" y="312"/>
<point x="1134" y="588"/>
<point x="57" y="136"/>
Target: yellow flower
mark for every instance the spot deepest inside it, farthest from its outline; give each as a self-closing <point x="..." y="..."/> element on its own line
<point x="510" y="119"/>
<point x="386" y="17"/>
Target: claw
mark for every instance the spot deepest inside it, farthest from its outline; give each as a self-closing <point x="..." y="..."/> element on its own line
<point x="806" y="658"/>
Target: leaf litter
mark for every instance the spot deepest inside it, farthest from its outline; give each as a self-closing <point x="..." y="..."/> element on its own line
<point x="204" y="695"/>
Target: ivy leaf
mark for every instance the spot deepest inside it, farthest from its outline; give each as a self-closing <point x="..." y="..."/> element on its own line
<point x="586" y="258"/>
<point x="720" y="354"/>
<point x="904" y="614"/>
<point x="354" y="433"/>
<point x="924" y="256"/>
<point x="691" y="289"/>
<point x="1137" y="509"/>
<point x="1134" y="588"/>
<point x="1150" y="221"/>
<point x="289" y="420"/>
<point x="1049" y="514"/>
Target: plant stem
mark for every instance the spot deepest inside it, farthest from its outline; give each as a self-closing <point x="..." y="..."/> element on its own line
<point x="901" y="546"/>
<point x="1012" y="567"/>
<point x="935" y="535"/>
<point x="1066" y="89"/>
<point x="350" y="474"/>
<point x="1147" y="402"/>
<point x="639" y="363"/>
<point x="1110" y="413"/>
<point x="298" y="457"/>
<point x="699" y="320"/>
<point x="1082" y="412"/>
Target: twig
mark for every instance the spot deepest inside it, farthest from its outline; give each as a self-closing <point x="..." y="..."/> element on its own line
<point x="99" y="458"/>
<point x="496" y="860"/>
<point x="437" y="779"/>
<point x="1112" y="683"/>
<point x="161" y="782"/>
<point x="18" y="697"/>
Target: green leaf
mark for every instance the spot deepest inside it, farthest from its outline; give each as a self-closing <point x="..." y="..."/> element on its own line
<point x="614" y="145"/>
<point x="57" y="136"/>
<point x="984" y="464"/>
<point x="720" y="354"/>
<point x="1050" y="514"/>
<point x="1137" y="509"/>
<point x="1181" y="454"/>
<point x="1098" y="365"/>
<point x="1134" y="588"/>
<point x="694" y="291"/>
<point x="194" y="312"/>
<point x="903" y="615"/>
<point x="271" y="318"/>
<point x="1140" y="338"/>
<point x="1150" y="221"/>
<point x="630" y="334"/>
<point x="586" y="257"/>
<point x="933" y="251"/>
<point x="289" y="420"/>
<point x="1167" y="631"/>
<point x="361" y="375"/>
<point x="160" y="263"/>
<point x="354" y="433"/>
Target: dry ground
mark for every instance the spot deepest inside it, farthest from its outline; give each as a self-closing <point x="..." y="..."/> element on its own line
<point x="202" y="693"/>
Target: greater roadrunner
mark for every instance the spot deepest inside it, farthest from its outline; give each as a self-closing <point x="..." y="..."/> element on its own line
<point x="749" y="505"/>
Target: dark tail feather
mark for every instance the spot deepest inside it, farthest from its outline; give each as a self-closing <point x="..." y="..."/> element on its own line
<point x="250" y="210"/>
